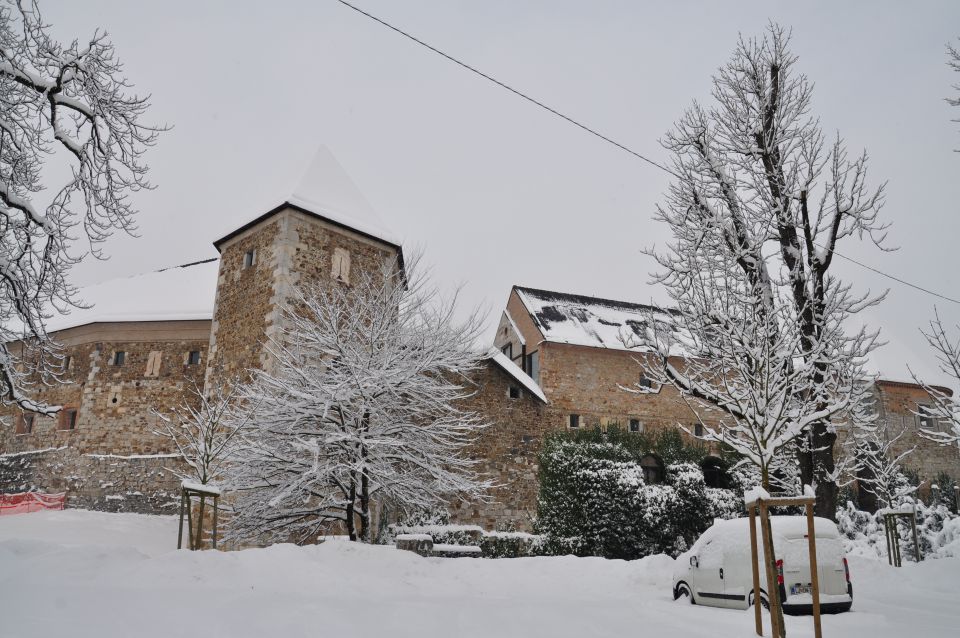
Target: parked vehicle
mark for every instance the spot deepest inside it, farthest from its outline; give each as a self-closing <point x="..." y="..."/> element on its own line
<point x="717" y="570"/>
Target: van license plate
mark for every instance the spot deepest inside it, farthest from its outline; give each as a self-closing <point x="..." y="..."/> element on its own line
<point x="799" y="589"/>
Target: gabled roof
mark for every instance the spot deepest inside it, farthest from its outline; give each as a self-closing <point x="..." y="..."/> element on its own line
<point x="180" y="293"/>
<point x="512" y="369"/>
<point x="588" y="321"/>
<point x="326" y="192"/>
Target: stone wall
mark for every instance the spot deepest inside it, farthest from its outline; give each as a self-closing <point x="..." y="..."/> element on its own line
<point x="110" y="483"/>
<point x="507" y="452"/>
<point x="897" y="405"/>
<point x="111" y="455"/>
<point x="113" y="400"/>
<point x="292" y="250"/>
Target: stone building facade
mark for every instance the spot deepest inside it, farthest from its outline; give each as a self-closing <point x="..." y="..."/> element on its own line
<point x="559" y="363"/>
<point x="101" y="447"/>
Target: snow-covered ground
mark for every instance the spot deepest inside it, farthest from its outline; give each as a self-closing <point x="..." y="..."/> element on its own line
<point x="81" y="573"/>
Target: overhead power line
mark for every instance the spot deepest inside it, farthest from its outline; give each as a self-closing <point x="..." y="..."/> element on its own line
<point x="601" y="136"/>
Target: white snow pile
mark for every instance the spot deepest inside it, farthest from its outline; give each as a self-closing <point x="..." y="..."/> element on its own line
<point x="91" y="574"/>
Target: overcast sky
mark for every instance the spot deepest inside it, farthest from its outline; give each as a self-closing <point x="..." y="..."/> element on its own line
<point x="496" y="191"/>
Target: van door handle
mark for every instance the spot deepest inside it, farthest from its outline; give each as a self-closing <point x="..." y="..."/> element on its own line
<point x="721" y="573"/>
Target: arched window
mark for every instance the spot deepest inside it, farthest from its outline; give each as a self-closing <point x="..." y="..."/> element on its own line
<point x="714" y="472"/>
<point x="652" y="469"/>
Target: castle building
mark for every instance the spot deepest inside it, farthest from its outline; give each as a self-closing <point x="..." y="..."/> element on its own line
<point x="150" y="340"/>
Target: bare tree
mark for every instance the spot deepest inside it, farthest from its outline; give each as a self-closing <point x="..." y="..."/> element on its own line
<point x="203" y="432"/>
<point x="761" y="199"/>
<point x="945" y="406"/>
<point x="953" y="61"/>
<point x="364" y="406"/>
<point x="57" y="101"/>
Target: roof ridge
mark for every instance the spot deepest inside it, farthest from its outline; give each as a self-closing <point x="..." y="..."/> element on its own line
<point x="591" y="299"/>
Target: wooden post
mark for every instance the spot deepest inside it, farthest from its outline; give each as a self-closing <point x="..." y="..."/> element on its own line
<point x="199" y="545"/>
<point x="180" y="531"/>
<point x="814" y="575"/>
<point x="215" y="508"/>
<point x="189" y="521"/>
<point x="773" y="592"/>
<point x="913" y="526"/>
<point x="756" y="569"/>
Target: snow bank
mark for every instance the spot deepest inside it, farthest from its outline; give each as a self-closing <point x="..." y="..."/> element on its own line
<point x="89" y="574"/>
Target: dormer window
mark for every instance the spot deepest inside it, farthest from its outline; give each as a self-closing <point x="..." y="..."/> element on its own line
<point x="250" y="258"/>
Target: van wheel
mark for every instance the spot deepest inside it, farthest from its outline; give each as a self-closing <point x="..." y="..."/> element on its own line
<point x="763" y="601"/>
<point x="682" y="591"/>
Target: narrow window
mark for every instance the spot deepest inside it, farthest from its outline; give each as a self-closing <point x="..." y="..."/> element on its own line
<point x="25" y="423"/>
<point x="153" y="363"/>
<point x="119" y="357"/>
<point x="636" y="426"/>
<point x="533" y="366"/>
<point x="68" y="419"/>
<point x="341" y="265"/>
<point x="508" y="350"/>
<point x="67" y="362"/>
<point x="698" y="429"/>
<point x="193" y="358"/>
<point x="645" y="383"/>
<point x="926" y="418"/>
<point x="574" y="421"/>
<point x="514" y="392"/>
<point x="250" y="258"/>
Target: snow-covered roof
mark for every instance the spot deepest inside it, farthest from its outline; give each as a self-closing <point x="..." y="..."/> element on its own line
<point x="587" y="321"/>
<point x="519" y="375"/>
<point x="326" y="191"/>
<point x="172" y="294"/>
<point x="513" y="326"/>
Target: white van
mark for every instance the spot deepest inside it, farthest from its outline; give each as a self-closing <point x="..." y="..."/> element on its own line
<point x="717" y="570"/>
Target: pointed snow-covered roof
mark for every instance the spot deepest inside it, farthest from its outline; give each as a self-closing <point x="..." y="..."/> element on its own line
<point x="327" y="192"/>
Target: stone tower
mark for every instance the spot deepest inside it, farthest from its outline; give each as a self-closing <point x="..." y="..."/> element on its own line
<point x="324" y="232"/>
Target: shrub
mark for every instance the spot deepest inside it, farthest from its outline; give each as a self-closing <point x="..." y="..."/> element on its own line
<point x="593" y="501"/>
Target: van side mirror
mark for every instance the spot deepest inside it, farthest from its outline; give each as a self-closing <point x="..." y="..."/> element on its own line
<point x="694" y="562"/>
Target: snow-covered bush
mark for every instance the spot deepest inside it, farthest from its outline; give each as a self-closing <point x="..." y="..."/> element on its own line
<point x="511" y="545"/>
<point x="938" y="532"/>
<point x="594" y="501"/>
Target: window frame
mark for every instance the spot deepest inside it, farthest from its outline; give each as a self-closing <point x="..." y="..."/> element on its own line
<point x="638" y="423"/>
<point x="190" y="361"/>
<point x="573" y="421"/>
<point x="249" y="258"/>
<point x="62" y="419"/>
<point x="25" y="423"/>
<point x="119" y="358"/>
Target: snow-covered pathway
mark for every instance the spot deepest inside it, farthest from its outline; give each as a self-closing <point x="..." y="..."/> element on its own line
<point x="93" y="574"/>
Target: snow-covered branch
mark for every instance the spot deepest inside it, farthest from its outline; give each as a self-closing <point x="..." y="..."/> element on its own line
<point x="70" y="98"/>
<point x="364" y="405"/>
<point x="758" y="207"/>
<point x="944" y="407"/>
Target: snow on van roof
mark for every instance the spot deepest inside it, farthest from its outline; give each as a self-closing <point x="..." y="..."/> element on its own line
<point x="590" y="321"/>
<point x="785" y="526"/>
<point x="173" y="294"/>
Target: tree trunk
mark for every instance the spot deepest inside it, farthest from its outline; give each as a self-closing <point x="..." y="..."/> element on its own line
<point x="364" y="508"/>
<point x="351" y="524"/>
<point x="816" y="464"/>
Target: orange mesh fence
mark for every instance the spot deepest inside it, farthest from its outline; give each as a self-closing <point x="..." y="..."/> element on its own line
<point x="24" y="502"/>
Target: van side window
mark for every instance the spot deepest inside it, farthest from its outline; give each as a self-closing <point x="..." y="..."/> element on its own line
<point x="710" y="555"/>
